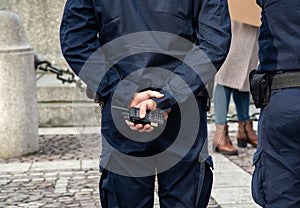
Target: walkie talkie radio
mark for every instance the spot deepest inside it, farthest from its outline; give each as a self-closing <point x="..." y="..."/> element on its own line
<point x="154" y="118"/>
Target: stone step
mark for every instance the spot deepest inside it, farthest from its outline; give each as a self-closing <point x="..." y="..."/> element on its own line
<point x="50" y="89"/>
<point x="64" y="105"/>
<point x="68" y="114"/>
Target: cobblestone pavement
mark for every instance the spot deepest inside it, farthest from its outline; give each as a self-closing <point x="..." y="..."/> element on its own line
<point x="56" y="188"/>
<point x="63" y="147"/>
<point x="75" y="188"/>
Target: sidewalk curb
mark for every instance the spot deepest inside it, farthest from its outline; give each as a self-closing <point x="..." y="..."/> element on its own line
<point x="232" y="185"/>
<point x="49" y="166"/>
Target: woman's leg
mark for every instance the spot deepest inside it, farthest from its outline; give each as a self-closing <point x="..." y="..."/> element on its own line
<point x="221" y="103"/>
<point x="245" y="134"/>
<point x="221" y="140"/>
<point x="242" y="101"/>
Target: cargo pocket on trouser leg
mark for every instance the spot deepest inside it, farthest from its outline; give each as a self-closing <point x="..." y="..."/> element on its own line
<point x="107" y="192"/>
<point x="204" y="179"/>
<point x="258" y="179"/>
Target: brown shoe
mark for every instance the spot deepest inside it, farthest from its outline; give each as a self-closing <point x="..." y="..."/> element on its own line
<point x="251" y="134"/>
<point x="241" y="135"/>
<point x="222" y="142"/>
<point x="246" y="134"/>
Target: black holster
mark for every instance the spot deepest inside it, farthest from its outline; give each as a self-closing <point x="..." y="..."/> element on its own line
<point x="93" y="95"/>
<point x="205" y="99"/>
<point x="260" y="88"/>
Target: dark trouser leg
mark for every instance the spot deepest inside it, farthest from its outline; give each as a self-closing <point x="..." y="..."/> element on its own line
<point x="118" y="191"/>
<point x="276" y="179"/>
<point x="187" y="184"/>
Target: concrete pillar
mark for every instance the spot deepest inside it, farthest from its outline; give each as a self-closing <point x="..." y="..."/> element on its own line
<point x="18" y="91"/>
<point x="41" y="21"/>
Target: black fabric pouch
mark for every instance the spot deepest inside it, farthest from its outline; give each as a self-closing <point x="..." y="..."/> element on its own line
<point x="260" y="88"/>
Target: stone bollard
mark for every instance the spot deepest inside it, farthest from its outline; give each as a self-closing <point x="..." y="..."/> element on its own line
<point x="18" y="91"/>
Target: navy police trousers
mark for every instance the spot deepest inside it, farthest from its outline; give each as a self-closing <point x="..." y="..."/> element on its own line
<point x="186" y="183"/>
<point x="276" y="179"/>
<point x="177" y="188"/>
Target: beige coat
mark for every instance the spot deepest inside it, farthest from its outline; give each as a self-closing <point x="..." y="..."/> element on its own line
<point x="241" y="59"/>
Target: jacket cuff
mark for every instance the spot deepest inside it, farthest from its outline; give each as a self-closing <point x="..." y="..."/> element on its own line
<point x="166" y="102"/>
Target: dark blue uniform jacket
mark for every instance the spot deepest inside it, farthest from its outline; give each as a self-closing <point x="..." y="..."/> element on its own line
<point x="88" y="25"/>
<point x="279" y="36"/>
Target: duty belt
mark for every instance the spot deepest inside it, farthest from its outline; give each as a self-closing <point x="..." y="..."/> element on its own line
<point x="285" y="80"/>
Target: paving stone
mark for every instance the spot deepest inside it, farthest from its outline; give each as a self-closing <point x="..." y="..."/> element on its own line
<point x="4" y="182"/>
<point x="56" y="165"/>
<point x="38" y="179"/>
<point x="20" y="180"/>
<point x="53" y="205"/>
<point x="32" y="198"/>
<point x="73" y="205"/>
<point x="14" y="167"/>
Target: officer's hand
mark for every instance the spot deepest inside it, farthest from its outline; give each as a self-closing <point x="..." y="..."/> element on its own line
<point x="139" y="127"/>
<point x="142" y="96"/>
<point x="143" y="101"/>
<point x="147" y="127"/>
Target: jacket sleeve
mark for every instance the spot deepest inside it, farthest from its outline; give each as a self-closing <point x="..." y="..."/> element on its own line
<point x="213" y="36"/>
<point x="79" y="40"/>
<point x="259" y="3"/>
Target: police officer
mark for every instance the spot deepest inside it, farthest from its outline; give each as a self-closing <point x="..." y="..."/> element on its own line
<point x="276" y="179"/>
<point x="138" y="54"/>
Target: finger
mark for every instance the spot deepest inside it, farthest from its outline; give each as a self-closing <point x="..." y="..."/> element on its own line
<point x="146" y="128"/>
<point x="129" y="123"/>
<point x="155" y="94"/>
<point x="137" y="127"/>
<point x="142" y="96"/>
<point x="166" y="115"/>
<point x="143" y="108"/>
<point x="147" y="104"/>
